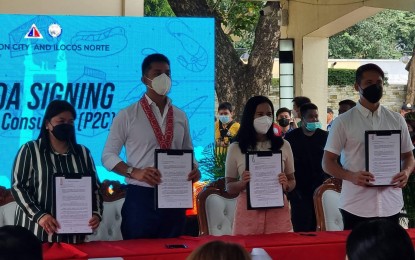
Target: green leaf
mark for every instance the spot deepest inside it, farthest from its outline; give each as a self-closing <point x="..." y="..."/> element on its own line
<point x="385" y="35"/>
<point x="213" y="162"/>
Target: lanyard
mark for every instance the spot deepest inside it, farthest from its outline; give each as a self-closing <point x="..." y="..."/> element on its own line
<point x="163" y="140"/>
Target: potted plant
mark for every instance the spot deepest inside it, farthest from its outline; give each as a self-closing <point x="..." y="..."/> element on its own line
<point x="213" y="162"/>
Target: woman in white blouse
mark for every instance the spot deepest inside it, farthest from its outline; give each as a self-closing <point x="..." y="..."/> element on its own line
<point x="256" y="134"/>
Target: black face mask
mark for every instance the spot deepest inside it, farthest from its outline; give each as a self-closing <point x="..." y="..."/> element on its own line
<point x="63" y="132"/>
<point x="373" y="93"/>
<point x="283" y="122"/>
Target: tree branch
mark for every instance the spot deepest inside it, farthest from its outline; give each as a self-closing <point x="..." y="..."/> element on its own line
<point x="267" y="34"/>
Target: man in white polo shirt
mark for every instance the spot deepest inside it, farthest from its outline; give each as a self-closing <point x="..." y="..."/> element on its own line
<point x="359" y="200"/>
<point x="150" y="123"/>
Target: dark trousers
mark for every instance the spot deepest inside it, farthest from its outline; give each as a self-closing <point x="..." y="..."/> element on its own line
<point x="303" y="216"/>
<point x="141" y="219"/>
<point x="350" y="220"/>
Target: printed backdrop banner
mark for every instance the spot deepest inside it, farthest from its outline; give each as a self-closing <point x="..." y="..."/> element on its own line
<point x="95" y="64"/>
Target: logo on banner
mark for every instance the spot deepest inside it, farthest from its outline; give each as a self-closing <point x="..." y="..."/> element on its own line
<point x="55" y="30"/>
<point x="33" y="33"/>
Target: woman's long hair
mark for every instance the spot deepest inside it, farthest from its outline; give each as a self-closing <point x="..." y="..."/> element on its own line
<point x="55" y="108"/>
<point x="246" y="135"/>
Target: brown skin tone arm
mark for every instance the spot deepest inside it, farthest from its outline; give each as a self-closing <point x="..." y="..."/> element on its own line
<point x="401" y="179"/>
<point x="194" y="175"/>
<point x="289" y="185"/>
<point x="51" y="225"/>
<point x="363" y="178"/>
<point x="151" y="175"/>
<point x="331" y="166"/>
<point x="235" y="186"/>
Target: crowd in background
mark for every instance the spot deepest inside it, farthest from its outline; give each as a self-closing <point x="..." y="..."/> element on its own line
<point x="310" y="155"/>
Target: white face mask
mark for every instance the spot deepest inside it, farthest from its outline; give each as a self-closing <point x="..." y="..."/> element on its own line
<point x="262" y="124"/>
<point x="161" y="84"/>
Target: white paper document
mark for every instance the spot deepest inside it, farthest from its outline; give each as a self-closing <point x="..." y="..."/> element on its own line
<point x="73" y="202"/>
<point x="383" y="155"/>
<point x="265" y="191"/>
<point x="175" y="191"/>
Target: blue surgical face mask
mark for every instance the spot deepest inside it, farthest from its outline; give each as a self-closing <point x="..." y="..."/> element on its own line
<point x="312" y="126"/>
<point x="224" y="119"/>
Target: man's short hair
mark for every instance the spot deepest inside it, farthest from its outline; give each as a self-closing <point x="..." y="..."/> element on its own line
<point x="347" y="102"/>
<point x="379" y="239"/>
<point x="17" y="242"/>
<point x="368" y="67"/>
<point x="407" y="107"/>
<point x="308" y="106"/>
<point x="225" y="106"/>
<point x="301" y="100"/>
<point x="156" y="57"/>
<point x="329" y="110"/>
<point x="282" y="110"/>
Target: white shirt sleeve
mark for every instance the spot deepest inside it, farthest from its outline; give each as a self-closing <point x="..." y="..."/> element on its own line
<point x="115" y="141"/>
<point x="336" y="138"/>
<point x="231" y="163"/>
<point x="187" y="140"/>
<point x="288" y="158"/>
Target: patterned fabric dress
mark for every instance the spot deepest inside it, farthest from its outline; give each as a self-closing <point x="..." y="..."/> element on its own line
<point x="263" y="221"/>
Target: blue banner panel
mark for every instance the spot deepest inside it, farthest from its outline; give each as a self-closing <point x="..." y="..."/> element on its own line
<point x="95" y="64"/>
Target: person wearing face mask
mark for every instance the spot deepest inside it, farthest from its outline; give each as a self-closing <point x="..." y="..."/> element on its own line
<point x="284" y="120"/>
<point x="297" y="103"/>
<point x="225" y="128"/>
<point x="307" y="143"/>
<point x="54" y="152"/>
<point x="359" y="200"/>
<point x="151" y="123"/>
<point x="256" y="134"/>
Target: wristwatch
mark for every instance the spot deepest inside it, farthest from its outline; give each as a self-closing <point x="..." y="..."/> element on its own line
<point x="129" y="171"/>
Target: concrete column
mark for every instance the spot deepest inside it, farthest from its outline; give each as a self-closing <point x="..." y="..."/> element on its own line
<point x="314" y="73"/>
<point x="74" y="7"/>
<point x="133" y="7"/>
